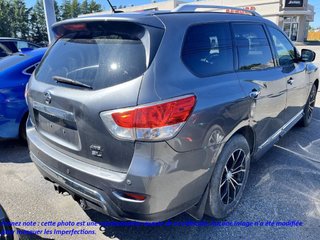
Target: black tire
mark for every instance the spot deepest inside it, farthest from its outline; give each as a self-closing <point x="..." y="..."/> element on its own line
<point x="22" y="128"/>
<point x="308" y="108"/>
<point x="229" y="173"/>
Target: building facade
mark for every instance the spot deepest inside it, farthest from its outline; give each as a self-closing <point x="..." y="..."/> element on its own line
<point x="293" y="16"/>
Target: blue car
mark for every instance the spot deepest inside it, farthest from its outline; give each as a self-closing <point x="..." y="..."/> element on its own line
<point x="15" y="72"/>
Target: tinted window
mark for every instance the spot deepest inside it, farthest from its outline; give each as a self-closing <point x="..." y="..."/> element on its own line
<point x="3" y="51"/>
<point x="31" y="69"/>
<point x="11" y="45"/>
<point x="101" y="55"/>
<point x="33" y="46"/>
<point x="207" y="49"/>
<point x="22" y="44"/>
<point x="284" y="49"/>
<point x="254" y="52"/>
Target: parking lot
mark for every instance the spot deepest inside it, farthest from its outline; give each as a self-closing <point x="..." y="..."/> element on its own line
<point x="283" y="186"/>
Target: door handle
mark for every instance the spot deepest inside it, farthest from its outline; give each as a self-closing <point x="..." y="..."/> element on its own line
<point x="254" y="94"/>
<point x="290" y="81"/>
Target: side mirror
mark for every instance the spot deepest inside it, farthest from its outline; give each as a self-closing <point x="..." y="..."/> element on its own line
<point x="307" y="55"/>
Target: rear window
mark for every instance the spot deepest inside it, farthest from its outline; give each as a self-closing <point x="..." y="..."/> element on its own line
<point x="99" y="55"/>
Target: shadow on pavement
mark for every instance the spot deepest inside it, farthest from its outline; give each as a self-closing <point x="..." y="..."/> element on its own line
<point x="142" y="231"/>
<point x="303" y="142"/>
<point x="14" y="151"/>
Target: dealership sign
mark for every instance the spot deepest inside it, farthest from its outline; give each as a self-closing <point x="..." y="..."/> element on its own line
<point x="294" y="3"/>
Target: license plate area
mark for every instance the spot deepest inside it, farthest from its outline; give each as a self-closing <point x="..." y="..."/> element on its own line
<point x="58" y="126"/>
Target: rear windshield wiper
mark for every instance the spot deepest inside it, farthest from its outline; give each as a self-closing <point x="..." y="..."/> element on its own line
<point x="70" y="81"/>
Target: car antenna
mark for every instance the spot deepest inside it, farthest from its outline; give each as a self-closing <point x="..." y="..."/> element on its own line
<point x="113" y="9"/>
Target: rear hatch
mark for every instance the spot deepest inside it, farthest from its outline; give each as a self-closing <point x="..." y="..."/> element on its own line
<point x="94" y="66"/>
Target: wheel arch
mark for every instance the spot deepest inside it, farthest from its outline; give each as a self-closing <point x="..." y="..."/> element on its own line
<point x="245" y="130"/>
<point x="249" y="135"/>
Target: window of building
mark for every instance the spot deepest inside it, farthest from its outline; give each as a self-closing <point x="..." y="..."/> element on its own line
<point x="254" y="52"/>
<point x="207" y="49"/>
<point x="285" y="50"/>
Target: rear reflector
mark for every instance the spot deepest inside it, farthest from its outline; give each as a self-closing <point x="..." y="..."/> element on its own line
<point x="129" y="196"/>
<point x="134" y="196"/>
<point x="158" y="121"/>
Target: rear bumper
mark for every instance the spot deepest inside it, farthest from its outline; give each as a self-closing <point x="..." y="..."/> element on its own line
<point x="172" y="182"/>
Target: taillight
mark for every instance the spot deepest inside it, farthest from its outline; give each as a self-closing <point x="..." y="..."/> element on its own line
<point x="76" y="27"/>
<point x="152" y="122"/>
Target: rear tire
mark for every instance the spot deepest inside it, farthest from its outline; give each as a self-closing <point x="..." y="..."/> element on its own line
<point x="229" y="177"/>
<point x="308" y="108"/>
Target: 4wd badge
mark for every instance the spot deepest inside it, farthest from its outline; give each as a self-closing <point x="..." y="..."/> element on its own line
<point x="96" y="151"/>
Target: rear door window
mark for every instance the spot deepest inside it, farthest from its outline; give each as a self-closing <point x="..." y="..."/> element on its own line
<point x="207" y="49"/>
<point x="99" y="55"/>
<point x="253" y="49"/>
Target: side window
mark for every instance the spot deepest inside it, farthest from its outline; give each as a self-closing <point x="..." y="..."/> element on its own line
<point x="254" y="52"/>
<point x="3" y="51"/>
<point x="207" y="49"/>
<point x="285" y="50"/>
<point x="22" y="44"/>
<point x="30" y="45"/>
<point x="11" y="46"/>
<point x="31" y="69"/>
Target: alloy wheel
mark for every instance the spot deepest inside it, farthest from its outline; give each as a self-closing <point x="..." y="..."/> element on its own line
<point x="311" y="102"/>
<point x="233" y="176"/>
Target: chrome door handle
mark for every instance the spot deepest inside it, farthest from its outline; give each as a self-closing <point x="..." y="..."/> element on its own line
<point x="254" y="94"/>
<point x="290" y="81"/>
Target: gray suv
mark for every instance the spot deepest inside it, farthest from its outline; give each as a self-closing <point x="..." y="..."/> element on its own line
<point x="144" y="116"/>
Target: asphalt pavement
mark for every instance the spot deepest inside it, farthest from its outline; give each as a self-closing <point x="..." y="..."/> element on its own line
<point x="283" y="188"/>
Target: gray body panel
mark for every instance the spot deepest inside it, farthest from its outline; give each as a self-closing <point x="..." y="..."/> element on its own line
<point x="173" y="174"/>
<point x="84" y="106"/>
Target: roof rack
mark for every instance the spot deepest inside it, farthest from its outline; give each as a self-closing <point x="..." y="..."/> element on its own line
<point x="193" y="7"/>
